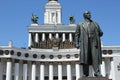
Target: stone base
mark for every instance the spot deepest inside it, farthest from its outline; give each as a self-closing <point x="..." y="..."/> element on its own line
<point x="93" y="78"/>
<point x="72" y="24"/>
<point x="34" y="24"/>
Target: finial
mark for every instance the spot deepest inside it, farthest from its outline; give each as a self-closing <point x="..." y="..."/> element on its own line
<point x="10" y="43"/>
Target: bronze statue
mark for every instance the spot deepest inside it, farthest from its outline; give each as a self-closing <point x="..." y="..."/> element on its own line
<point x="87" y="36"/>
<point x="72" y="20"/>
<point x="34" y="19"/>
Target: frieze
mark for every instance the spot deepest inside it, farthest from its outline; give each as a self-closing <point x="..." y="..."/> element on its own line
<point x="49" y="44"/>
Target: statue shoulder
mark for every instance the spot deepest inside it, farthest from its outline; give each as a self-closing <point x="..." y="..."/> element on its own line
<point x="81" y="23"/>
<point x="95" y="22"/>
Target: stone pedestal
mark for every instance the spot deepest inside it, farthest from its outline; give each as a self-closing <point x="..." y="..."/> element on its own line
<point x="93" y="78"/>
<point x="34" y="24"/>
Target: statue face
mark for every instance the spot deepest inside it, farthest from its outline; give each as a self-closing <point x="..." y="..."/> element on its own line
<point x="87" y="15"/>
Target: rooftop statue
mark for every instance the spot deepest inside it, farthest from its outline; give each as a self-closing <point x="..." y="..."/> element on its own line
<point x="88" y="35"/>
<point x="34" y="19"/>
<point x="72" y="20"/>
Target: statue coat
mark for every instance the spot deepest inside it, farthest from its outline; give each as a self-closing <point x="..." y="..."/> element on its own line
<point x="94" y="44"/>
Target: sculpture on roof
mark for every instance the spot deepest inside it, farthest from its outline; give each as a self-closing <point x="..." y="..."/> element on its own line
<point x="72" y="20"/>
<point x="34" y="19"/>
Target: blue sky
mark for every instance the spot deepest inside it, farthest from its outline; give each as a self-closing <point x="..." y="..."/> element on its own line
<point x="15" y="17"/>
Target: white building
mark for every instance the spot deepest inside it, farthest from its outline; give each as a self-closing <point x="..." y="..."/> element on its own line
<point x="51" y="54"/>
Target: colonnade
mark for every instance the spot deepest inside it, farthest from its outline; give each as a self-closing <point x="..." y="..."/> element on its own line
<point x="43" y="37"/>
<point x="25" y="76"/>
<point x="106" y="70"/>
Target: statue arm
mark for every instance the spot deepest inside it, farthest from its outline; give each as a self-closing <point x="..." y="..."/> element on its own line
<point x="99" y="30"/>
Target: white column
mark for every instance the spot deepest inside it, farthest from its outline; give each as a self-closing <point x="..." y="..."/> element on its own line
<point x="63" y="35"/>
<point x="107" y="67"/>
<point x="1" y="70"/>
<point x="103" y="68"/>
<point x="50" y="17"/>
<point x="25" y="70"/>
<point x="42" y="71"/>
<point x="59" y="71"/>
<point x="112" y="71"/>
<point x="51" y="71"/>
<point x="59" y="17"/>
<point x="46" y="17"/>
<point x="50" y="35"/>
<point x="20" y="70"/>
<point x="77" y="69"/>
<point x="81" y="71"/>
<point x="43" y="36"/>
<point x="29" y="40"/>
<point x="8" y="69"/>
<point x="70" y="37"/>
<point x="16" y="74"/>
<point x="33" y="75"/>
<point x="57" y="35"/>
<point x="69" y="72"/>
<point x="36" y="37"/>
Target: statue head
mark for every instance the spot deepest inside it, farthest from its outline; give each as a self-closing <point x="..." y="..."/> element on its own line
<point x="87" y="15"/>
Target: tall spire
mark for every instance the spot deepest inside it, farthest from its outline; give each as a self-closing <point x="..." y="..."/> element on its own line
<point x="52" y="14"/>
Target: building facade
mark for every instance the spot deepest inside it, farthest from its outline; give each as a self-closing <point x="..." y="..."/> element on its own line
<point x="52" y="54"/>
